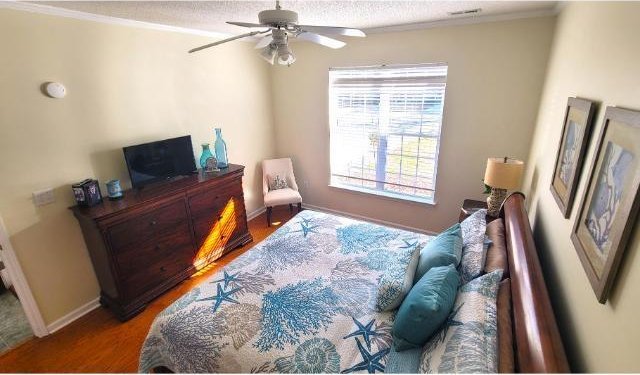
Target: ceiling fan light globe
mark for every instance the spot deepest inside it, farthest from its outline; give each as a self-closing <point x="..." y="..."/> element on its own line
<point x="285" y="55"/>
<point x="286" y="59"/>
<point x="268" y="53"/>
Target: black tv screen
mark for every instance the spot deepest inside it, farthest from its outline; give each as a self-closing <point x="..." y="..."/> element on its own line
<point x="161" y="160"/>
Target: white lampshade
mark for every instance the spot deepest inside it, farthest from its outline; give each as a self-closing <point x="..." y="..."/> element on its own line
<point x="503" y="173"/>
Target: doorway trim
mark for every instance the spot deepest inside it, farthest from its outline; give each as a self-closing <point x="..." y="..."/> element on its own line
<point x="21" y="285"/>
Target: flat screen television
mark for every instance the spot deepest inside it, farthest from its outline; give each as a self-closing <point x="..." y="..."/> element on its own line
<point x="160" y="160"/>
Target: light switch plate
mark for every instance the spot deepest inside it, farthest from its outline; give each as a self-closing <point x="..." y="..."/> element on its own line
<point x="42" y="197"/>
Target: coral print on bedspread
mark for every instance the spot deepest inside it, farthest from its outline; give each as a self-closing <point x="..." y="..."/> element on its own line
<point x="318" y="295"/>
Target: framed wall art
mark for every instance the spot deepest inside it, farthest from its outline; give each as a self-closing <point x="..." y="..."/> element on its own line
<point x="576" y="130"/>
<point x="610" y="204"/>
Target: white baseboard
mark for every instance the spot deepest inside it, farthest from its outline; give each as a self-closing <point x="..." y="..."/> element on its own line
<point x="74" y="315"/>
<point x="360" y="217"/>
<point x="256" y="213"/>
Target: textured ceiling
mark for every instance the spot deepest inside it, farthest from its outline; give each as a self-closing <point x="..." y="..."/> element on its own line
<point x="211" y="15"/>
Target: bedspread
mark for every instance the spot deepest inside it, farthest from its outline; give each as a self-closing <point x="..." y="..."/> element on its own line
<point x="309" y="298"/>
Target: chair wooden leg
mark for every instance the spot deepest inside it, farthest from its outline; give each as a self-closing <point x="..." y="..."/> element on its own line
<point x="299" y="207"/>
<point x="269" y="209"/>
<point x="290" y="208"/>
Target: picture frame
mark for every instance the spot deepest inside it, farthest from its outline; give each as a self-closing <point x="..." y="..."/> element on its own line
<point x="576" y="131"/>
<point x="611" y="200"/>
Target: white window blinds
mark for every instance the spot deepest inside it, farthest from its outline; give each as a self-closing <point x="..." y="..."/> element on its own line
<point x="385" y="128"/>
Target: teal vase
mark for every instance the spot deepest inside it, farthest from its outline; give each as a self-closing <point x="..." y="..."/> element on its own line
<point x="206" y="154"/>
<point x="221" y="150"/>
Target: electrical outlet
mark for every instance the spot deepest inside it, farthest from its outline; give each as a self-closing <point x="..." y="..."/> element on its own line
<point x="43" y="197"/>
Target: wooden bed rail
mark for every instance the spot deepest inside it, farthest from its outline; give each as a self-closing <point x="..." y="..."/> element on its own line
<point x="538" y="346"/>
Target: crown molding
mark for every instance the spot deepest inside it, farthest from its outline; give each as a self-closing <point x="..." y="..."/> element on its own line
<point x="470" y="20"/>
<point x="62" y="12"/>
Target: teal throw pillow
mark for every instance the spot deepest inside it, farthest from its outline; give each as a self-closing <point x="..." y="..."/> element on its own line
<point x="425" y="308"/>
<point x="443" y="250"/>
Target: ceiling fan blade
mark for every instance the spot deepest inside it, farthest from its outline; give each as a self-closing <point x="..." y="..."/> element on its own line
<point x="226" y="40"/>
<point x="332" y="30"/>
<point x="265" y="41"/>
<point x="321" y="39"/>
<point x="246" y="24"/>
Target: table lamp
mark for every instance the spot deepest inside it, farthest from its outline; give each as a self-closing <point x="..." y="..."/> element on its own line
<point x="502" y="174"/>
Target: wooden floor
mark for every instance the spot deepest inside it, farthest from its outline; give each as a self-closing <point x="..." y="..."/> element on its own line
<point x="98" y="342"/>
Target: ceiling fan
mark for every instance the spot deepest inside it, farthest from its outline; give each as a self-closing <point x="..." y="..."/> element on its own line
<point x="282" y="24"/>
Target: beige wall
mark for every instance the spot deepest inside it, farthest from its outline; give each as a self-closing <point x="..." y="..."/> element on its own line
<point x="130" y="85"/>
<point x="125" y="86"/>
<point x="496" y="73"/>
<point x="595" y="55"/>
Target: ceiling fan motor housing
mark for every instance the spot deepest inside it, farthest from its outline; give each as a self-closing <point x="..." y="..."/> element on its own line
<point x="278" y="17"/>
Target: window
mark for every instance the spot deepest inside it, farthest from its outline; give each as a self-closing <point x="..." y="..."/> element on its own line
<point x="385" y="129"/>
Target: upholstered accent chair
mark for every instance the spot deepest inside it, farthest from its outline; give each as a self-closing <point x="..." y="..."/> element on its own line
<point x="279" y="185"/>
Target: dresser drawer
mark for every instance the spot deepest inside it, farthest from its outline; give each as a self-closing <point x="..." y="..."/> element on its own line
<point x="137" y="258"/>
<point x="147" y="226"/>
<point x="203" y="203"/>
<point x="153" y="274"/>
<point x="219" y="230"/>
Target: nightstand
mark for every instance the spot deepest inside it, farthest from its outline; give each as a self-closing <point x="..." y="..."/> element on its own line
<point x="469" y="206"/>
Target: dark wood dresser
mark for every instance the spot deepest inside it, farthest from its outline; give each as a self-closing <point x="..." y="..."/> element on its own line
<point x="157" y="236"/>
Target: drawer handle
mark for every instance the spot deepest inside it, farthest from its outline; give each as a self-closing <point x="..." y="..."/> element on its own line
<point x="153" y="222"/>
<point x="162" y="269"/>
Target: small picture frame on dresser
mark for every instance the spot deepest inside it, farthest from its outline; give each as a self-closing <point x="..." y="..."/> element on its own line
<point x="576" y="129"/>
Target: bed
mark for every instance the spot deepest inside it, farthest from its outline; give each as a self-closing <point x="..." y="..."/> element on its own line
<point x="321" y="294"/>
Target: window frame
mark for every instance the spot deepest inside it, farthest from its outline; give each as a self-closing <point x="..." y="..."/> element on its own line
<point x="386" y="194"/>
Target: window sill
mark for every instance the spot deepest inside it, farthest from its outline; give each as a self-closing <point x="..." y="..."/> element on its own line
<point x="384" y="195"/>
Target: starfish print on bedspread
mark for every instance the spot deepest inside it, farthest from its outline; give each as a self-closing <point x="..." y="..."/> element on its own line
<point x="221" y="296"/>
<point x="409" y="244"/>
<point x="364" y="330"/>
<point x="370" y="362"/>
<point x="450" y="322"/>
<point x="306" y="227"/>
<point x="227" y="279"/>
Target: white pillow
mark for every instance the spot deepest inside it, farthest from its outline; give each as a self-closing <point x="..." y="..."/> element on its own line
<point x="468" y="340"/>
<point x="397" y="280"/>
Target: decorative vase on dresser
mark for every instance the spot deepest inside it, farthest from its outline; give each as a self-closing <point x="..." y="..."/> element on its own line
<point x="221" y="149"/>
<point x="206" y="154"/>
<point x="155" y="237"/>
